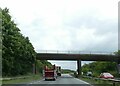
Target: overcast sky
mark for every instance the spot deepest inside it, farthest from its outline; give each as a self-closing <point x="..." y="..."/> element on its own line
<point x="81" y="25"/>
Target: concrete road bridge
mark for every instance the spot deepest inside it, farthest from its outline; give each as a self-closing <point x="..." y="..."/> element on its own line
<point x="77" y="56"/>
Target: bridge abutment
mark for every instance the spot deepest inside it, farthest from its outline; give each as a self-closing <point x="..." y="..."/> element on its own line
<point x="79" y="67"/>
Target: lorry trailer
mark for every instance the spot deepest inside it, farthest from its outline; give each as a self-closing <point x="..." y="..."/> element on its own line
<point x="50" y="73"/>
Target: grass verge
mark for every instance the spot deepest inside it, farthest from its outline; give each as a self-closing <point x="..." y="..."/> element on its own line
<point x="23" y="80"/>
<point x="98" y="82"/>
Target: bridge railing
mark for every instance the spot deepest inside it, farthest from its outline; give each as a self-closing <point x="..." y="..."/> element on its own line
<point x="75" y="52"/>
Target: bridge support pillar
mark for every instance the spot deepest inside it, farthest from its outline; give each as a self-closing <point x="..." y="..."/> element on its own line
<point x="118" y="65"/>
<point x="79" y="67"/>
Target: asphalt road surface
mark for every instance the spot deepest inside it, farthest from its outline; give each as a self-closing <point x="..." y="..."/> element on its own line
<point x="64" y="80"/>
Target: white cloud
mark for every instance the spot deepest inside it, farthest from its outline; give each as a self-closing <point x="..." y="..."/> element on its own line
<point x="67" y="24"/>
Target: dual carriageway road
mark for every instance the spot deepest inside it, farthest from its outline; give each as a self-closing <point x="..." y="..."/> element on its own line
<point x="64" y="80"/>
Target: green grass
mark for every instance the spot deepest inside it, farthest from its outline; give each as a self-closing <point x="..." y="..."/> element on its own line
<point x="96" y="82"/>
<point x="23" y="80"/>
<point x="0" y="82"/>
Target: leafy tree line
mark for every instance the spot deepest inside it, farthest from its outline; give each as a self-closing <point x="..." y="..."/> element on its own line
<point x="18" y="54"/>
<point x="67" y="71"/>
<point x="99" y="67"/>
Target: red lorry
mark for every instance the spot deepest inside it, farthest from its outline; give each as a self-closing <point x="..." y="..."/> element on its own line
<point x="50" y="73"/>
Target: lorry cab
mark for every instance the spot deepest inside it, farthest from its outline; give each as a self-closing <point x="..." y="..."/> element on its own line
<point x="58" y="71"/>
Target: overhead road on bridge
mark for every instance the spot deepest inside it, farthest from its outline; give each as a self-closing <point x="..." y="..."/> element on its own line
<point x="72" y="55"/>
<point x="77" y="56"/>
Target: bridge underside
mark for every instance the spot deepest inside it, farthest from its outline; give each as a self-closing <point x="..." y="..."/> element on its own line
<point x="82" y="57"/>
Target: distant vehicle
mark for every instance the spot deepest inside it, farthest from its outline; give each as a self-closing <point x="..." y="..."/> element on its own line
<point x="106" y="76"/>
<point x="58" y="70"/>
<point x="50" y="73"/>
<point x="89" y="73"/>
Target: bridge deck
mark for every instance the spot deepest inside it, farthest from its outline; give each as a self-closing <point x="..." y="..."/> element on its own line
<point x="83" y="57"/>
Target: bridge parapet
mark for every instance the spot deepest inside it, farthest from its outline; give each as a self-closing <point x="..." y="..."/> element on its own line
<point x="75" y="52"/>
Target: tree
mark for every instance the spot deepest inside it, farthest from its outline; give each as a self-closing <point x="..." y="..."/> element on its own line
<point x="18" y="54"/>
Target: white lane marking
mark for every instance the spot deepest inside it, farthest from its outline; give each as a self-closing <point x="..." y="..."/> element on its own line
<point x="83" y="81"/>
